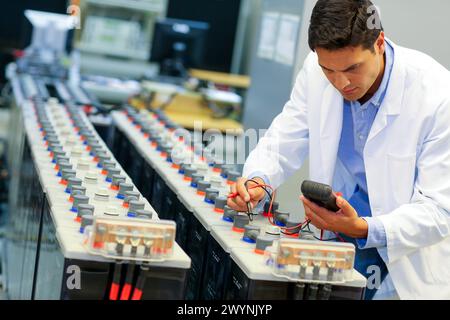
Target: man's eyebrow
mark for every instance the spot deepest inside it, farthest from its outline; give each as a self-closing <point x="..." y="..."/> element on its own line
<point x="349" y="68"/>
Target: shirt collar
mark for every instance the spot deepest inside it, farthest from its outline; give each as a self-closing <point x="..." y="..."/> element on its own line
<point x="378" y="97"/>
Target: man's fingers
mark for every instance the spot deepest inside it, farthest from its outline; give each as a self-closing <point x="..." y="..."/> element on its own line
<point x="308" y="211"/>
<point x="233" y="188"/>
<point x="256" y="194"/>
<point x="315" y="207"/>
<point x="316" y="220"/>
<point x="242" y="190"/>
<point x="240" y="206"/>
<point x="230" y="203"/>
<point x="240" y="202"/>
<point x="243" y="196"/>
<point x="233" y="205"/>
<point x="324" y="214"/>
<point x="237" y="203"/>
<point x="312" y="218"/>
<point x="345" y="206"/>
<point x="247" y="195"/>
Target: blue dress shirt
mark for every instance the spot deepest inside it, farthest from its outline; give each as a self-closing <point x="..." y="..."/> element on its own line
<point x="357" y="122"/>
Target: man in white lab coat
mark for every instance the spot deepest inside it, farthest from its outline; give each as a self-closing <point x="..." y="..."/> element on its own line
<point x="374" y="119"/>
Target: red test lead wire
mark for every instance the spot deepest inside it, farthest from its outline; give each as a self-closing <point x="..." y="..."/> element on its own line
<point x="140" y="283"/>
<point x="235" y="194"/>
<point x="270" y="215"/>
<point x="115" y="286"/>
<point x="114" y="291"/>
<point x="137" y="294"/>
<point x="126" y="290"/>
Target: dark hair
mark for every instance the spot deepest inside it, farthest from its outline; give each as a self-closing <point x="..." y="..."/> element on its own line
<point x="336" y="24"/>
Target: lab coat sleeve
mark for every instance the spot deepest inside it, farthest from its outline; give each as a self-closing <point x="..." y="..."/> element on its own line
<point x="282" y="150"/>
<point x="426" y="219"/>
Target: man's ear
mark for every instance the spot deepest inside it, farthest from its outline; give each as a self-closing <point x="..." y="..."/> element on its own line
<point x="380" y="44"/>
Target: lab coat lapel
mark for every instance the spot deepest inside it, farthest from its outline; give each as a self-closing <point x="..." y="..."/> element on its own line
<point x="331" y="116"/>
<point x="393" y="100"/>
<point x="389" y="110"/>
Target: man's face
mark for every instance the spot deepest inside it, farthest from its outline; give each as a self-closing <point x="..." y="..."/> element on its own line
<point x="352" y="70"/>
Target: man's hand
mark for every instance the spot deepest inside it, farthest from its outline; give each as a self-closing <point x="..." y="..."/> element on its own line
<point x="345" y="221"/>
<point x="239" y="203"/>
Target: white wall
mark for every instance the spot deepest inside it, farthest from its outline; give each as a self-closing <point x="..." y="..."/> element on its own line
<point x="423" y="25"/>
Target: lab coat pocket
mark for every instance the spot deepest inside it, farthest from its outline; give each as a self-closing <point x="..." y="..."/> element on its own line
<point x="401" y="170"/>
<point x="437" y="258"/>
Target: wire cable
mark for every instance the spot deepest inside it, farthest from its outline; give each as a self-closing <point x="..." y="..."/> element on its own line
<point x="126" y="290"/>
<point x="302" y="226"/>
<point x="140" y="283"/>
<point x="271" y="197"/>
<point x="115" y="285"/>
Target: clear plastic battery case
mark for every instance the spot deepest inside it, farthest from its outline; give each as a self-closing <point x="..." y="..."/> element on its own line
<point x="131" y="239"/>
<point x="312" y="261"/>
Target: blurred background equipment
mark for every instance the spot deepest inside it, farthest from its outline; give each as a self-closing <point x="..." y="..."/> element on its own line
<point x="44" y="56"/>
<point x="15" y="29"/>
<point x="227" y="24"/>
<point x="179" y="45"/>
<point x="115" y="38"/>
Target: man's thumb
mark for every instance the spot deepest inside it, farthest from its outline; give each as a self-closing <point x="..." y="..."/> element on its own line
<point x="343" y="204"/>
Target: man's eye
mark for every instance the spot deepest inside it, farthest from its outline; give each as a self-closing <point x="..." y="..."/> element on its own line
<point x="353" y="68"/>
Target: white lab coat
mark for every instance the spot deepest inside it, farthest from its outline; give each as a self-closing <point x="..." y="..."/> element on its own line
<point x="407" y="160"/>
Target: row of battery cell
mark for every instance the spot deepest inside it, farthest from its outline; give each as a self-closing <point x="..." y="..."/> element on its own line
<point x="82" y="179"/>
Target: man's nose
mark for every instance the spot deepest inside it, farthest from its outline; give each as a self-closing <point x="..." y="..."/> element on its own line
<point x="341" y="81"/>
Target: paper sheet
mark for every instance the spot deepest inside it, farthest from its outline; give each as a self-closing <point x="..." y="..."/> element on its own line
<point x="287" y="39"/>
<point x="268" y="37"/>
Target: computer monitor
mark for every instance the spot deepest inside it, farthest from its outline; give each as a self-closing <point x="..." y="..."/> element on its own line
<point x="179" y="45"/>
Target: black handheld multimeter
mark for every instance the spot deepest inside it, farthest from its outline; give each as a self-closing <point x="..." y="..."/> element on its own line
<point x="321" y="194"/>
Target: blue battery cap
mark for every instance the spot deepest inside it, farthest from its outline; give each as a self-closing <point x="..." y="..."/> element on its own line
<point x="210" y="195"/>
<point x="229" y="214"/>
<point x="248" y="240"/>
<point x="280" y="224"/>
<point x="77" y="200"/>
<point x="228" y="219"/>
